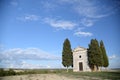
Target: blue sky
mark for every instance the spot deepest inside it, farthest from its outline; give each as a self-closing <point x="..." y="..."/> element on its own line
<point x="32" y="32"/>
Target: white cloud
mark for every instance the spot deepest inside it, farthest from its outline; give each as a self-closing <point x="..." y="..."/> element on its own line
<point x="31" y="66"/>
<point x="29" y="18"/>
<point x="89" y="11"/>
<point x="87" y="22"/>
<point x="88" y="8"/>
<point x="114" y="61"/>
<point x="60" y="24"/>
<point x="112" y="57"/>
<point x="83" y="34"/>
<point x="16" y="57"/>
<point x="48" y="5"/>
<point x="30" y="53"/>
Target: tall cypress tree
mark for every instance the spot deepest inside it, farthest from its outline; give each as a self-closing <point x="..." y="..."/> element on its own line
<point x="91" y="55"/>
<point x="67" y="57"/>
<point x="94" y="55"/>
<point x="104" y="55"/>
<point x="98" y="55"/>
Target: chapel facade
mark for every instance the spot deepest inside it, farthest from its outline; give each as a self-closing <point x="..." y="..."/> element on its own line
<point x="80" y="59"/>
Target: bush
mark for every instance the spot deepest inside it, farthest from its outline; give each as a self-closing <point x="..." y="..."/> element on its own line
<point x="2" y="73"/>
<point x="7" y="73"/>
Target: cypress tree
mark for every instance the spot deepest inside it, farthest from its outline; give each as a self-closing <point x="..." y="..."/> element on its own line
<point x="104" y="55"/>
<point x="67" y="57"/>
<point x="94" y="55"/>
<point x="98" y="55"/>
<point x="91" y="55"/>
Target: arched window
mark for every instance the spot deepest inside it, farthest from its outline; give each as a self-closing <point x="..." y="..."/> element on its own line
<point x="80" y="56"/>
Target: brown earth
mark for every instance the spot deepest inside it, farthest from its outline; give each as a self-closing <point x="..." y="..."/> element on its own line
<point x="47" y="77"/>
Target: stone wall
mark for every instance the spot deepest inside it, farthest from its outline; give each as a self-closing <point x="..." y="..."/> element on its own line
<point x="80" y="61"/>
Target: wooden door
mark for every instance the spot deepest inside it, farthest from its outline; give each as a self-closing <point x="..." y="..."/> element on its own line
<point x="80" y="66"/>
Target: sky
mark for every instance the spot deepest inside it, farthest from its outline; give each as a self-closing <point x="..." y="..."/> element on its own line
<point x="32" y="32"/>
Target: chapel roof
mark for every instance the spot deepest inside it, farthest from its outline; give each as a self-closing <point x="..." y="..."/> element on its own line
<point x="79" y="48"/>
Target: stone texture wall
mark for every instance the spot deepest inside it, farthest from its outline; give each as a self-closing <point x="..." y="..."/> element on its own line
<point x="80" y="55"/>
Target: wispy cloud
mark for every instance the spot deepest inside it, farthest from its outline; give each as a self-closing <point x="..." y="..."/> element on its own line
<point x="112" y="57"/>
<point x="93" y="9"/>
<point x="14" y="57"/>
<point x="114" y="61"/>
<point x="87" y="22"/>
<point x="29" y="18"/>
<point x="30" y="53"/>
<point x="83" y="34"/>
<point x="14" y="3"/>
<point x="88" y="8"/>
<point x="60" y="24"/>
<point x="48" y="5"/>
<point x="89" y="12"/>
<point x="27" y="65"/>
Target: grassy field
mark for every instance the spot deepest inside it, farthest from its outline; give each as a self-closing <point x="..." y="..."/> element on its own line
<point x="109" y="75"/>
<point x="112" y="75"/>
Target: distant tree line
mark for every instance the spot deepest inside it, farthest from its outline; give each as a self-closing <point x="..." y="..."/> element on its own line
<point x="11" y="72"/>
<point x="7" y="72"/>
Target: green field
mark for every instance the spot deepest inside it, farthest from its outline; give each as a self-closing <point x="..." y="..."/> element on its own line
<point x="110" y="75"/>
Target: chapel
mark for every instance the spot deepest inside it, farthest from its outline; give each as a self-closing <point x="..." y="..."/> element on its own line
<point x="80" y="59"/>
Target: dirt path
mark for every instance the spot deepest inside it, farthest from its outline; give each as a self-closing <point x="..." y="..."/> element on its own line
<point x="38" y="77"/>
<point x="48" y="77"/>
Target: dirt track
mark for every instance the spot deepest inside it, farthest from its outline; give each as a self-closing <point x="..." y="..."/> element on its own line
<point x="48" y="77"/>
<point x="38" y="77"/>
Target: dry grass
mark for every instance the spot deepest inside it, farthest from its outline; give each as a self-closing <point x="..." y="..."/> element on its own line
<point x="61" y="74"/>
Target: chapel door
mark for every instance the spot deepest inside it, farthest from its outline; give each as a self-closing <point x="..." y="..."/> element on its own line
<point x="80" y="66"/>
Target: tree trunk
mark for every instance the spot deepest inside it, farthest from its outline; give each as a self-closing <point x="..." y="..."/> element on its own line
<point x="98" y="68"/>
<point x="95" y="68"/>
<point x="67" y="69"/>
<point x="101" y="68"/>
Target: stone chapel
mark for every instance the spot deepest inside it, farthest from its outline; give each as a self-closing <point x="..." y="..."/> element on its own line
<point x="80" y="59"/>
